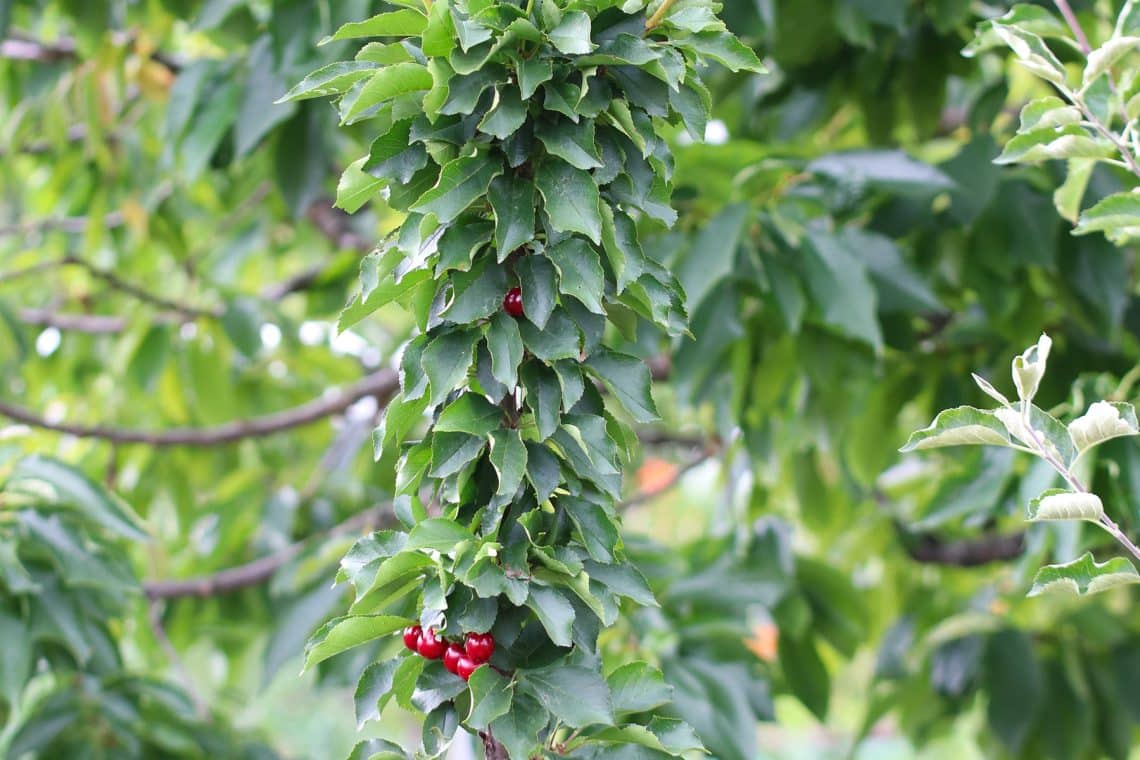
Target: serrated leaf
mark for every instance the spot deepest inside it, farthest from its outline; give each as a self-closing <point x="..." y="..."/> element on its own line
<point x="1084" y="576"/>
<point x="576" y="695"/>
<point x="571" y="199"/>
<point x="355" y="188"/>
<point x="962" y="426"/>
<point x="638" y="687"/>
<point x="628" y="379"/>
<point x="461" y="183"/>
<point x="470" y="413"/>
<point x="1049" y="143"/>
<point x="447" y="360"/>
<point x="1058" y="504"/>
<point x="1107" y="56"/>
<point x="451" y="452"/>
<point x="373" y="690"/>
<point x="539" y="284"/>
<point x="556" y="615"/>
<point x="344" y="633"/>
<point x="438" y="534"/>
<point x="580" y="272"/>
<point x="509" y="458"/>
<point x="504" y="342"/>
<point x="513" y="201"/>
<point x="507" y="114"/>
<point x="1032" y="52"/>
<point x="725" y="49"/>
<point x="573" y="143"/>
<point x="491" y="696"/>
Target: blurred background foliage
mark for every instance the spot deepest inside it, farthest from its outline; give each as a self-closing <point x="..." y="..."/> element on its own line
<point x="172" y="268"/>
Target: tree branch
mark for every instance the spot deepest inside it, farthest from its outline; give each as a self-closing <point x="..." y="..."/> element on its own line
<point x="381" y="385"/>
<point x="928" y="549"/>
<point x="262" y="569"/>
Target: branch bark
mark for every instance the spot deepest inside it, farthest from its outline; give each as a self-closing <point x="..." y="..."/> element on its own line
<point x="931" y="550"/>
<point x="381" y="385"/>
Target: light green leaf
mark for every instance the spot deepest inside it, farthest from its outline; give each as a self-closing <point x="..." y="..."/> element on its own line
<point x="638" y="687"/>
<point x="1058" y="504"/>
<point x="962" y="426"/>
<point x="374" y="690"/>
<point x="1049" y="143"/>
<point x="557" y="617"/>
<point x="470" y="413"/>
<point x="725" y="49"/>
<point x="1103" y="421"/>
<point x="401" y="23"/>
<point x="75" y="490"/>
<point x="344" y="633"/>
<point x="1084" y="576"/>
<point x="1119" y="213"/>
<point x="388" y="83"/>
<point x="329" y="80"/>
<point x="1108" y="55"/>
<point x="356" y="188"/>
<point x="447" y="360"/>
<point x="438" y="534"/>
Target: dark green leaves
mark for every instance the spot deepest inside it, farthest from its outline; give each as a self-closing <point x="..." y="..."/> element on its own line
<point x="628" y="379"/>
<point x="462" y="182"/>
<point x="74" y="490"/>
<point x="577" y="696"/>
<point x="571" y="199"/>
<point x="513" y="201"/>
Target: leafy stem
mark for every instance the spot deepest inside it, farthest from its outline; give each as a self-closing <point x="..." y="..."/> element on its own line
<point x="1105" y="522"/>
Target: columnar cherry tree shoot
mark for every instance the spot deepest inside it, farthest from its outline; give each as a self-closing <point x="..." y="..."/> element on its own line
<point x="523" y="142"/>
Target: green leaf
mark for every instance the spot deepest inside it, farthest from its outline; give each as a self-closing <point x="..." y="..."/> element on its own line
<point x="543" y="397"/>
<point x="504" y="342"/>
<point x="841" y="288"/>
<point x="571" y="199"/>
<point x="1032" y="52"/>
<point x="638" y="687"/>
<point x="572" y="35"/>
<point x="379" y="286"/>
<point x="628" y="379"/>
<point x="509" y="458"/>
<point x="597" y="529"/>
<point x="438" y="534"/>
<point x="344" y="633"/>
<point x="1049" y="111"/>
<point x="622" y="247"/>
<point x="725" y="49"/>
<point x="75" y="490"/>
<point x="447" y="360"/>
<point x="356" y="188"/>
<point x="532" y="73"/>
<point x="519" y="729"/>
<point x="577" y="696"/>
<point x="393" y="158"/>
<point x="1108" y="55"/>
<point x="1048" y="143"/>
<point x="1119" y="213"/>
<point x="462" y="182"/>
<point x="961" y="426"/>
<point x="544" y="470"/>
<point x="1011" y="677"/>
<point x="329" y="80"/>
<point x="374" y="690"/>
<point x="560" y="339"/>
<point x="477" y="294"/>
<point x="401" y="23"/>
<point x="806" y="674"/>
<point x="470" y="413"/>
<point x="513" y="201"/>
<point x="539" y="284"/>
<point x="624" y="580"/>
<point x="580" y="272"/>
<point x="491" y="696"/>
<point x="386" y="84"/>
<point x="1058" y="504"/>
<point x="507" y="114"/>
<point x="557" y="617"/>
<point x="451" y="452"/>
<point x="1084" y="576"/>
<point x="573" y="143"/>
<point x="1103" y="421"/>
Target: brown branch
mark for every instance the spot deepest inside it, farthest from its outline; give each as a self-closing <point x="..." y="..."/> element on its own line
<point x="492" y="749"/>
<point x="1074" y="25"/>
<point x="91" y="324"/>
<point x="24" y="48"/>
<point x="931" y="550"/>
<point x="262" y="569"/>
<point x="381" y="385"/>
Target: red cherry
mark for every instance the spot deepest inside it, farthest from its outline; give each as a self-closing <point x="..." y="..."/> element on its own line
<point x="452" y="657"/>
<point x="513" y="303"/>
<point x="432" y="646"/>
<point x="412" y="636"/>
<point x="479" y="646"/>
<point x="465" y="667"/>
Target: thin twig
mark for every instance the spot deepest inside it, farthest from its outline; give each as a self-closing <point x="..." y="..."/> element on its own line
<point x="382" y="385"/>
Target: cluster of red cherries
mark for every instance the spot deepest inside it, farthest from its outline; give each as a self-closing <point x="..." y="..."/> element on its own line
<point x="460" y="659"/>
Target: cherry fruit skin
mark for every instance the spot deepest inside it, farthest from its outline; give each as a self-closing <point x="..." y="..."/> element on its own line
<point x="432" y="646"/>
<point x="412" y="636"/>
<point x="465" y="667"/>
<point x="452" y="657"/>
<point x="479" y="646"/>
<point x="513" y="303"/>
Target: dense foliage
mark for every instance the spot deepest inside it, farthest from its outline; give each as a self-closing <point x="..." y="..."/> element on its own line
<point x="173" y="282"/>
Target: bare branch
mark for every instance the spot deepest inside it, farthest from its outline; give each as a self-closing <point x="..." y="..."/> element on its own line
<point x="381" y="385"/>
<point x="92" y="324"/>
<point x="931" y="550"/>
